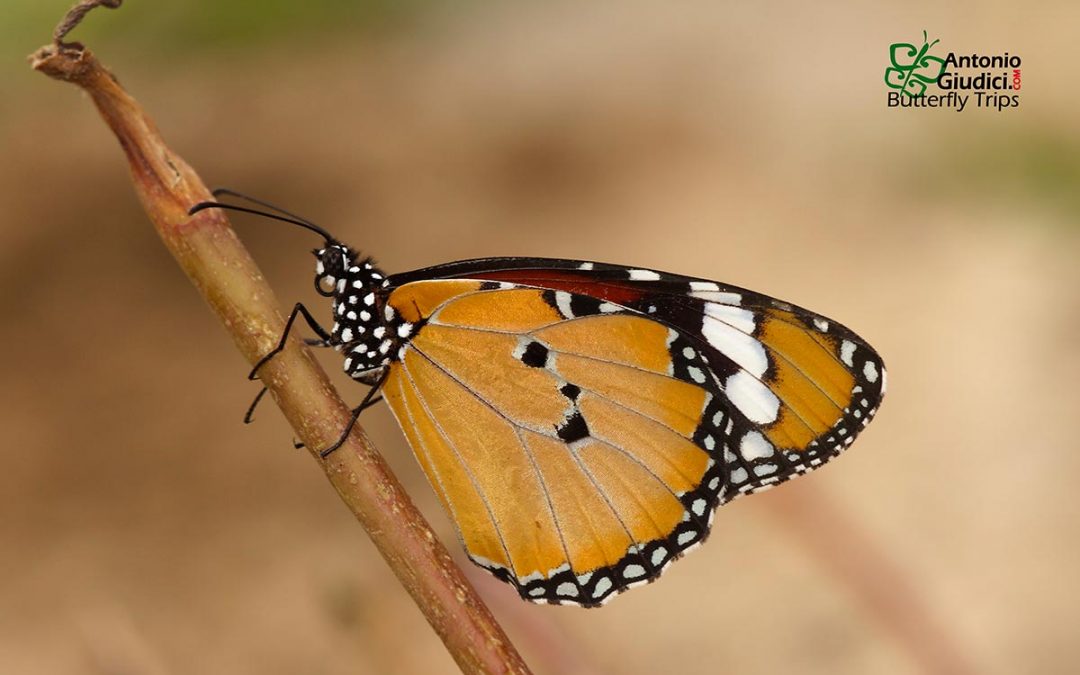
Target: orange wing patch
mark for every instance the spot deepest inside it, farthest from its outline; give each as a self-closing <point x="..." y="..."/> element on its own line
<point x="646" y="508"/>
<point x="489" y="449"/>
<point x="618" y="338"/>
<point x="672" y="402"/>
<point x="424" y="297"/>
<point x="809" y="379"/>
<point x="484" y="363"/>
<point x="459" y="493"/>
<point x="593" y="534"/>
<point x="670" y="458"/>
<point x="516" y="310"/>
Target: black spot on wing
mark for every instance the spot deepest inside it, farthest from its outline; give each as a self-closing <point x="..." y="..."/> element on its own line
<point x="573" y="428"/>
<point x="584" y="305"/>
<point x="570" y="391"/>
<point x="535" y="355"/>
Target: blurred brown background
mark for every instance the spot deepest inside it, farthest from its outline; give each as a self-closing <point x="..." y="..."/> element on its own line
<point x="144" y="529"/>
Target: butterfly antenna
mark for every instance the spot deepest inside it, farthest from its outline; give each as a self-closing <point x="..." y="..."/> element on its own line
<point x="217" y="192"/>
<point x="202" y="206"/>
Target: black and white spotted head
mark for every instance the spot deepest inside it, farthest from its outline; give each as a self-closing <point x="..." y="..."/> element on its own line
<point x="363" y="330"/>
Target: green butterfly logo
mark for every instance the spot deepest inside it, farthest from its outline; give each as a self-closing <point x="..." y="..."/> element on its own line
<point x="912" y="69"/>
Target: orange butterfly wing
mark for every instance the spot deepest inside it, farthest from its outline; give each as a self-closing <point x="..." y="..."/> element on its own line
<point x="580" y="453"/>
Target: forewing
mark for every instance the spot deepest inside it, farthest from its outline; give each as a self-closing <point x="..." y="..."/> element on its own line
<point x="799" y="386"/>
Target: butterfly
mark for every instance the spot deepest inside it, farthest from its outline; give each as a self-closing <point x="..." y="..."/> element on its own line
<point x="579" y="421"/>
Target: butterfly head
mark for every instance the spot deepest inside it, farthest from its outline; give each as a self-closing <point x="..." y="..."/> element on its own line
<point x="332" y="266"/>
<point x="362" y="330"/>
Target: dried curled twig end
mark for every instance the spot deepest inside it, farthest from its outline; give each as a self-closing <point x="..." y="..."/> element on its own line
<point x="74" y="17"/>
<point x="69" y="61"/>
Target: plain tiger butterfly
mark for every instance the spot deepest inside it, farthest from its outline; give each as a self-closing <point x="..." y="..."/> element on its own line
<point x="580" y="422"/>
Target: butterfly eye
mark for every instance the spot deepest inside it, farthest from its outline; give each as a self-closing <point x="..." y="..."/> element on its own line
<point x="330" y="268"/>
<point x="325" y="284"/>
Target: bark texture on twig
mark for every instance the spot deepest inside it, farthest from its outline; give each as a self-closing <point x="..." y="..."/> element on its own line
<point x="220" y="267"/>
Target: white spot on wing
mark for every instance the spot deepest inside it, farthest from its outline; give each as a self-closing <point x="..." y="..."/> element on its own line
<point x="703" y="286"/>
<point x="585" y="266"/>
<point x="698" y="507"/>
<point x="644" y="275"/>
<point x="754" y="446"/>
<point x="740" y="318"/>
<point x="847" y="351"/>
<point x="870" y="371"/>
<point x="722" y="297"/>
<point x="562" y="301"/>
<point x="736" y="345"/>
<point x="602" y="586"/>
<point x="658" y="556"/>
<point x="696" y="374"/>
<point x="752" y="398"/>
<point x="633" y="571"/>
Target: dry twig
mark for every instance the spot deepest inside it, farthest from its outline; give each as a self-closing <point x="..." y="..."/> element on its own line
<point x="220" y="267"/>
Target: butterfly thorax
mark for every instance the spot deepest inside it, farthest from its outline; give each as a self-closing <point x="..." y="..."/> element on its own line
<point x="365" y="328"/>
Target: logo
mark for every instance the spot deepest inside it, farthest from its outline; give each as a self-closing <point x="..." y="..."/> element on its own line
<point x="916" y="78"/>
<point x="912" y="69"/>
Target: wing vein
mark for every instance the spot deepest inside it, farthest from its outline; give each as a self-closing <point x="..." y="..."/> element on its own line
<point x="607" y="500"/>
<point x="547" y="498"/>
<point x="618" y="448"/>
<point x="465" y="466"/>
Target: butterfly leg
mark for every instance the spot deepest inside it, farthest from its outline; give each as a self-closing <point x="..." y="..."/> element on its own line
<point x="248" y="419"/>
<point x="322" y="341"/>
<point x="298" y="310"/>
<point x="369" y="400"/>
